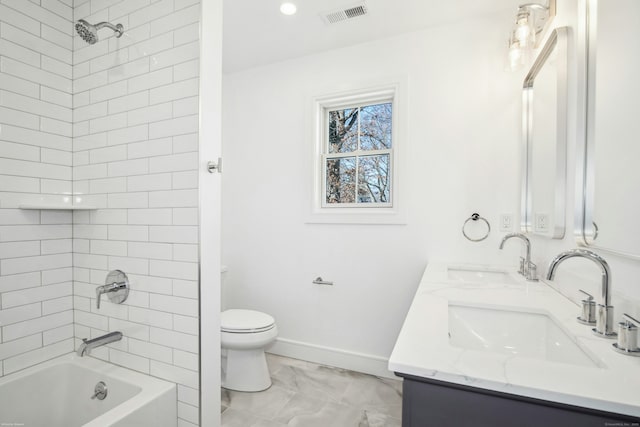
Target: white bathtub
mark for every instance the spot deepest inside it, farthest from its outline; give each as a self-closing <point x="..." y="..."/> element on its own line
<point x="58" y="393"/>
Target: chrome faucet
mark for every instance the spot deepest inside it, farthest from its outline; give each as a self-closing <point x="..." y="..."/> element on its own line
<point x="527" y="268"/>
<point x="88" y="345"/>
<point x="604" y="314"/>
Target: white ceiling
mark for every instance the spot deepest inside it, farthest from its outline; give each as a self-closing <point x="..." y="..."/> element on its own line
<point x="256" y="33"/>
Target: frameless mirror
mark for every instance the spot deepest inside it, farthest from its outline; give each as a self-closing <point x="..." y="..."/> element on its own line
<point x="611" y="171"/>
<point x="544" y="126"/>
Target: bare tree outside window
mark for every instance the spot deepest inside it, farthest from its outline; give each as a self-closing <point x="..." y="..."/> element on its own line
<point x="358" y="158"/>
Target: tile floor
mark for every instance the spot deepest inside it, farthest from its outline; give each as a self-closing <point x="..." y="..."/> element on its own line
<point x="304" y="394"/>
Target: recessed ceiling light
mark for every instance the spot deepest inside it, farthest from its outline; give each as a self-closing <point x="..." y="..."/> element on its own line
<point x="288" y="8"/>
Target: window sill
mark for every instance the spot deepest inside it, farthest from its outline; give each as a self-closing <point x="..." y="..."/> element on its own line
<point x="356" y="217"/>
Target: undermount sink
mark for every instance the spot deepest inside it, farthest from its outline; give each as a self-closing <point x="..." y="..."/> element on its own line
<point x="480" y="276"/>
<point x="504" y="331"/>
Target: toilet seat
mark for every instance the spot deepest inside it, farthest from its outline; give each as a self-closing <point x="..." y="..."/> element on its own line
<point x="239" y="321"/>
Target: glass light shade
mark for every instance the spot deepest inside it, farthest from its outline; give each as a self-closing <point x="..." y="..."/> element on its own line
<point x="524" y="31"/>
<point x="515" y="58"/>
<point x="517" y="55"/>
<point x="528" y="27"/>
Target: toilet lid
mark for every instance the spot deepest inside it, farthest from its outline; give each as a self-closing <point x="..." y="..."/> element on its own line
<point x="245" y="320"/>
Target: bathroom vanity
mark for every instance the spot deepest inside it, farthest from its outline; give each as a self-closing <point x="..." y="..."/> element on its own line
<point x="481" y="346"/>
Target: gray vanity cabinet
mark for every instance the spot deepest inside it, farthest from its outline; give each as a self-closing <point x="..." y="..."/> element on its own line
<point x="427" y="403"/>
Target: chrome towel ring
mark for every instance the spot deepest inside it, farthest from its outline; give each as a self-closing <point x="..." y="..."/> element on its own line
<point x="476" y="217"/>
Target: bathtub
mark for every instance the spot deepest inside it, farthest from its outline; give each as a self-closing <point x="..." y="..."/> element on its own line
<point x="58" y="393"/>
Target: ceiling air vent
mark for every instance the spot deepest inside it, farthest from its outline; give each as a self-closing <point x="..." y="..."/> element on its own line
<point x="336" y="16"/>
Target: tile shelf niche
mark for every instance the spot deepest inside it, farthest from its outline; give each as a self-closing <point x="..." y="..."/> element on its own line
<point x="57" y="207"/>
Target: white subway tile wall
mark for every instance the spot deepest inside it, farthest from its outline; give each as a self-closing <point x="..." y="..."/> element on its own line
<point x="135" y="122"/>
<point x="115" y="123"/>
<point x="36" y="124"/>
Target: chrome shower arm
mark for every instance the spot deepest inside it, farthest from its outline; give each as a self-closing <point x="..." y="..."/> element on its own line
<point x="119" y="29"/>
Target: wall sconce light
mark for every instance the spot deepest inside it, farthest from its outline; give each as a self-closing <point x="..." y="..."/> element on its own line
<point x="532" y="21"/>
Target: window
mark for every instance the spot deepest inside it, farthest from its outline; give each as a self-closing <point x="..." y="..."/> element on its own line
<point x="356" y="159"/>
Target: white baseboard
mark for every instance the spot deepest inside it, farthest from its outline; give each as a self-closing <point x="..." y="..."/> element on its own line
<point x="359" y="362"/>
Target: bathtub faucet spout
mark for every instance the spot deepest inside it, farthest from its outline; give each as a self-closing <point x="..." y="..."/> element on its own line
<point x="87" y="345"/>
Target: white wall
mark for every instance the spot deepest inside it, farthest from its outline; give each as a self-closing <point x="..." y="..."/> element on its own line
<point x="462" y="148"/>
<point x="36" y="317"/>
<point x="136" y="110"/>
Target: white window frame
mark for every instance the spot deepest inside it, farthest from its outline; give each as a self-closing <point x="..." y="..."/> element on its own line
<point x="358" y="213"/>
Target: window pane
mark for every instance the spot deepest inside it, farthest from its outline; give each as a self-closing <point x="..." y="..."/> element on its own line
<point x="343" y="130"/>
<point x="373" y="179"/>
<point x="341" y="180"/>
<point x="375" y="127"/>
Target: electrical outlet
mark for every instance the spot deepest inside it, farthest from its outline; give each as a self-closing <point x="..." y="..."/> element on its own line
<point x="506" y="223"/>
<point x="541" y="222"/>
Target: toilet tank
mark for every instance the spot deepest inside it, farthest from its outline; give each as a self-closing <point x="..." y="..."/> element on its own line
<point x="223" y="287"/>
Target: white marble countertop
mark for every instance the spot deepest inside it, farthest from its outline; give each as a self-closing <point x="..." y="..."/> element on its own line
<point x="423" y="347"/>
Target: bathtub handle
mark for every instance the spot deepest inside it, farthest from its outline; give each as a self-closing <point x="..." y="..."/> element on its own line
<point x="106" y="289"/>
<point x="116" y="286"/>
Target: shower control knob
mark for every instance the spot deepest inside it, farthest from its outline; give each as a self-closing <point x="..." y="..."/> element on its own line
<point x="116" y="287"/>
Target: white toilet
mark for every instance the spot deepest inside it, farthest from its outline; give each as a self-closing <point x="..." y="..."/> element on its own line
<point x="244" y="336"/>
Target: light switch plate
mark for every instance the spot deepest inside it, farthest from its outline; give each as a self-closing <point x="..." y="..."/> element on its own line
<point x="506" y="223"/>
<point x="541" y="222"/>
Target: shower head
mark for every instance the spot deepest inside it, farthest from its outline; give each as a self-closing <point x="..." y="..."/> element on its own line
<point x="89" y="32"/>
